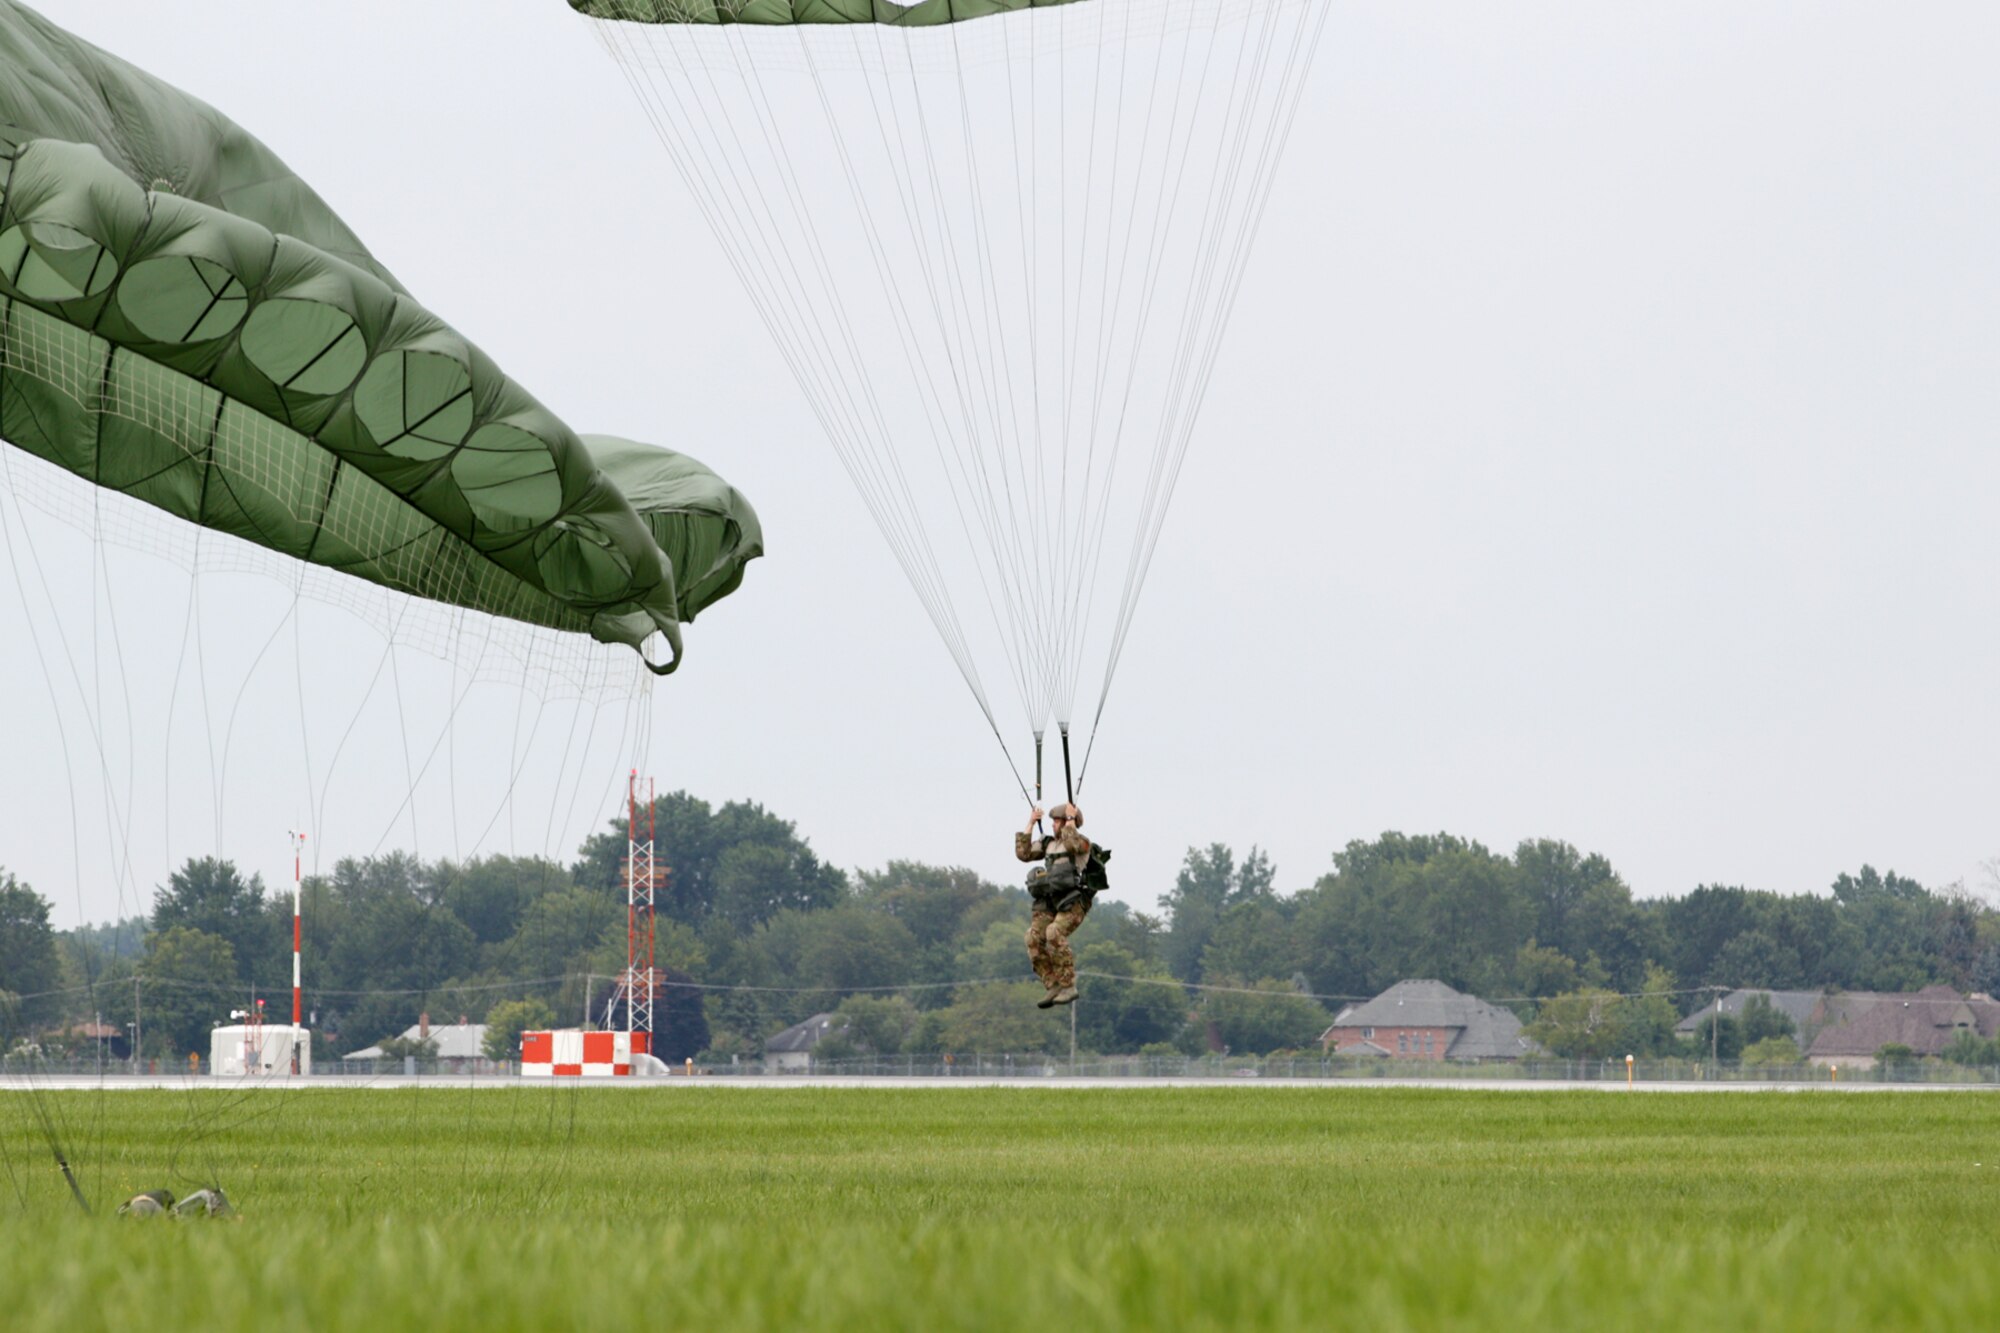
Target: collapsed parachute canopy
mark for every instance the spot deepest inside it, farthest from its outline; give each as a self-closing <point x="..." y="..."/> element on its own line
<point x="185" y="321"/>
<point x="997" y="243"/>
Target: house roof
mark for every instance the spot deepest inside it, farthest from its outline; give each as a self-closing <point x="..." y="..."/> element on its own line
<point x="1798" y="1005"/>
<point x="455" y="1041"/>
<point x="804" y="1036"/>
<point x="1486" y="1031"/>
<point x="1926" y="1022"/>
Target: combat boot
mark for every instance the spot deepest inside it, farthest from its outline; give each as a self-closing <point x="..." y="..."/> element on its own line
<point x="1049" y="1001"/>
<point x="1067" y="995"/>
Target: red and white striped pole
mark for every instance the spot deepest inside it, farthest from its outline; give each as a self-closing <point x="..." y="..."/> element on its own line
<point x="298" y="847"/>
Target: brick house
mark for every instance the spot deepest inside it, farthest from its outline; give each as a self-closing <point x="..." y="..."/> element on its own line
<point x="1427" y="1020"/>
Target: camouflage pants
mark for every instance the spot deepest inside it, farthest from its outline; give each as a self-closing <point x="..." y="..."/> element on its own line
<point x="1048" y="942"/>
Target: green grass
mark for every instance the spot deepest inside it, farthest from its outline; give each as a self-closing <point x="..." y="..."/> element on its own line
<point x="1032" y="1208"/>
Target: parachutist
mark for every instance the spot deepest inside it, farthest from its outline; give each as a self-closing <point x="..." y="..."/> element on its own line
<point x="152" y="1203"/>
<point x="1063" y="887"/>
<point x="205" y="1203"/>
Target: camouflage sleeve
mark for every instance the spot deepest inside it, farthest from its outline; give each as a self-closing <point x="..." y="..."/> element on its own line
<point x="1073" y="842"/>
<point x="1026" y="848"/>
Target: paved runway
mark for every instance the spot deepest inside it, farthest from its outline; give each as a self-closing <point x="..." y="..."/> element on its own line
<point x="74" y="1082"/>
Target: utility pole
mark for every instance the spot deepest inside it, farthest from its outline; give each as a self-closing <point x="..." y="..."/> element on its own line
<point x="1072" y="1035"/>
<point x="1715" y="1032"/>
<point x="138" y="1029"/>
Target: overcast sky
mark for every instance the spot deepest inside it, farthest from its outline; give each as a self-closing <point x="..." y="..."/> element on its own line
<point x="1604" y="449"/>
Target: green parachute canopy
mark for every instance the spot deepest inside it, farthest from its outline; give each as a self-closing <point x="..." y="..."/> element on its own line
<point x="777" y="13"/>
<point x="183" y="320"/>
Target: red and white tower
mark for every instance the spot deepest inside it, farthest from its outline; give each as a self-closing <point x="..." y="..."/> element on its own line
<point x="298" y="1011"/>
<point x="642" y="876"/>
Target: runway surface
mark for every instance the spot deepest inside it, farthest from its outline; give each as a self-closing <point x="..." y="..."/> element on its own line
<point x="73" y="1082"/>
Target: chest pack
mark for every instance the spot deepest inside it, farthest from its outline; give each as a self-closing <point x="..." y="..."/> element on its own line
<point x="1058" y="882"/>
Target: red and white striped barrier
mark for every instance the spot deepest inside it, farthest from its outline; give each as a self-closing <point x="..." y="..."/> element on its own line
<point x="575" y="1054"/>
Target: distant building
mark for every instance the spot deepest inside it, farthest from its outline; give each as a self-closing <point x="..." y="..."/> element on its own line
<point x="1427" y="1020"/>
<point x="1927" y="1021"/>
<point x="461" y="1046"/>
<point x="1803" y="1007"/>
<point x="791" y="1051"/>
<point x="114" y="1040"/>
<point x="255" y="1051"/>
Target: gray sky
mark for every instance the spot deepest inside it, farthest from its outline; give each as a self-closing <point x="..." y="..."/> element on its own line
<point x="1602" y="450"/>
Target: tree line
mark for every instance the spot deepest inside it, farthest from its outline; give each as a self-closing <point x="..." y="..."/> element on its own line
<point x="756" y="932"/>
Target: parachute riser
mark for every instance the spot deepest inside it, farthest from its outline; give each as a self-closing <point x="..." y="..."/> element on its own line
<point x="1069" y="786"/>
<point x="1038" y="778"/>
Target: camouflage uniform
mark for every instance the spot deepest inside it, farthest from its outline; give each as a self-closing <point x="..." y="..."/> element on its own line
<point x="1054" y="921"/>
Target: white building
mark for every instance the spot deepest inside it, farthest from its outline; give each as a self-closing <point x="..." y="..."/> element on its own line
<point x="241" y="1050"/>
<point x="791" y="1051"/>
<point x="460" y="1046"/>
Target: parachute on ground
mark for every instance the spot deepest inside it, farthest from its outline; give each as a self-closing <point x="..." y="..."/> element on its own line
<point x="997" y="244"/>
<point x="185" y="321"/>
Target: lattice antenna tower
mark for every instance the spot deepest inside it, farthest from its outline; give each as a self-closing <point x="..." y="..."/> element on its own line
<point x="643" y="875"/>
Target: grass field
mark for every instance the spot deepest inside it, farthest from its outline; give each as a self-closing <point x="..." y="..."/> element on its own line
<point x="1031" y="1208"/>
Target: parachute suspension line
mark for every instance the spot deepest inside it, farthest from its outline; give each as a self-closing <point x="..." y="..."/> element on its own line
<point x="173" y="703"/>
<point x="207" y="718"/>
<point x="569" y="743"/>
<point x="123" y="816"/>
<point x="451" y="739"/>
<point x="932" y="401"/>
<point x="1080" y="570"/>
<point x="1069" y="784"/>
<point x="1027" y="609"/>
<point x="513" y="763"/>
<point x="1165" y="209"/>
<point x="1304" y="46"/>
<point x="1190" y="312"/>
<point x="752" y="269"/>
<point x="305" y="733"/>
<point x="1038" y="768"/>
<point x="933" y="407"/>
<point x="1067" y="650"/>
<point x="753" y="256"/>
<point x="775" y="145"/>
<point x="235" y="707"/>
<point x="1031" y="460"/>
<point x="518" y="760"/>
<point x="1059" y="654"/>
<point x="85" y="695"/>
<point x="403" y="744"/>
<point x="977" y="480"/>
<point x="340" y="748"/>
<point x="1027" y="552"/>
<point x="630" y="751"/>
<point x="55" y="1134"/>
<point x="1029" y="269"/>
<point x="409" y="800"/>
<point x="44" y="1118"/>
<point x="611" y="770"/>
<point x="120" y="817"/>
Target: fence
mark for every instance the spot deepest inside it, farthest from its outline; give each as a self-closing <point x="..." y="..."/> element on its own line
<point x="1137" y="1068"/>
